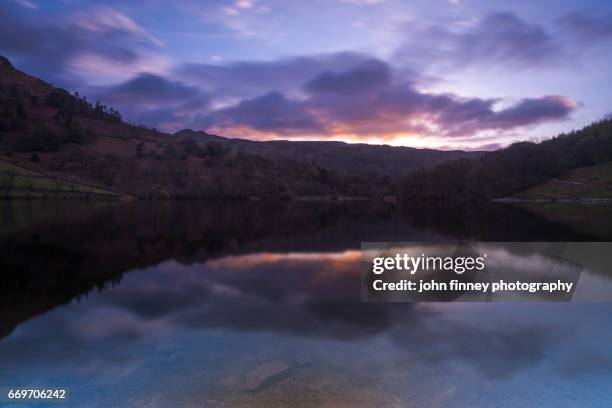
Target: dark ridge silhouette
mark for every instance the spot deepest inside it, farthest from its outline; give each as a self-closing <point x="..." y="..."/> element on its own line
<point x="510" y="170"/>
<point x="5" y="64"/>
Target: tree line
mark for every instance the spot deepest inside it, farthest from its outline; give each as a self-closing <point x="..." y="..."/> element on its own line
<point x="507" y="171"/>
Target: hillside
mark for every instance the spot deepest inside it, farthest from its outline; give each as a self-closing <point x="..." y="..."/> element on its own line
<point x="593" y="182"/>
<point x="67" y="139"/>
<point x="343" y="158"/>
<point x="515" y="168"/>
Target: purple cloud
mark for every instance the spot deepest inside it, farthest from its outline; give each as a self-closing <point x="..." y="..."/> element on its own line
<point x="588" y="27"/>
<point x="502" y="40"/>
<point x="101" y="43"/>
<point x="321" y="95"/>
<point x="363" y="78"/>
<point x="150" y="88"/>
<point x="361" y="100"/>
<point x="530" y="110"/>
<point x="339" y="103"/>
<point x="157" y="101"/>
<point x="499" y="38"/>
<point x="272" y="112"/>
<point x="248" y="79"/>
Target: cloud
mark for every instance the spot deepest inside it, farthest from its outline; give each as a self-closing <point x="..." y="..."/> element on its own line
<point x="245" y="18"/>
<point x="325" y="96"/>
<point x="250" y="94"/>
<point x="530" y="110"/>
<point x="364" y="101"/>
<point x="243" y="79"/>
<point x="150" y="88"/>
<point x="272" y="112"/>
<point x="108" y="21"/>
<point x="476" y="114"/>
<point x="157" y="101"/>
<point x="107" y="54"/>
<point x="363" y="2"/>
<point x="245" y="4"/>
<point x="588" y="27"/>
<point x="487" y="147"/>
<point x="349" y="94"/>
<point x="363" y="78"/>
<point x="96" y="46"/>
<point x="27" y="4"/>
<point x="498" y="38"/>
<point x="502" y="40"/>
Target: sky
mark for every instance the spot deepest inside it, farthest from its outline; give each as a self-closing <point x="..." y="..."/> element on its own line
<point x="447" y="74"/>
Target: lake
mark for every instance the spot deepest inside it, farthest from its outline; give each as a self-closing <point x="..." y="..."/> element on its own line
<point x="178" y="304"/>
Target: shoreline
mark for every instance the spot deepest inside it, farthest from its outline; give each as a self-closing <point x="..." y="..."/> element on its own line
<point x="566" y="200"/>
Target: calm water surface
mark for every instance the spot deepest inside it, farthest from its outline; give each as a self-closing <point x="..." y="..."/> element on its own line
<point x="168" y="305"/>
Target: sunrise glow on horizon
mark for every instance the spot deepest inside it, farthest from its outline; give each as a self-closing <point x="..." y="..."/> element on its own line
<point x="460" y="74"/>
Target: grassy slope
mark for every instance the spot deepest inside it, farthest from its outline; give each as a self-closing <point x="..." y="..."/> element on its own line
<point x="20" y="182"/>
<point x="584" y="182"/>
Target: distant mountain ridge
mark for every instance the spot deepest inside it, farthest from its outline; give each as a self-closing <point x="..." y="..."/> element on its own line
<point x="348" y="158"/>
<point x="84" y="146"/>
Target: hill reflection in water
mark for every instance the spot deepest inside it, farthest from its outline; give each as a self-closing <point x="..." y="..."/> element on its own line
<point x="193" y="296"/>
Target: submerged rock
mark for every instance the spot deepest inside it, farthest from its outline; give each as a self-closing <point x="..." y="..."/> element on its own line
<point x="266" y="374"/>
